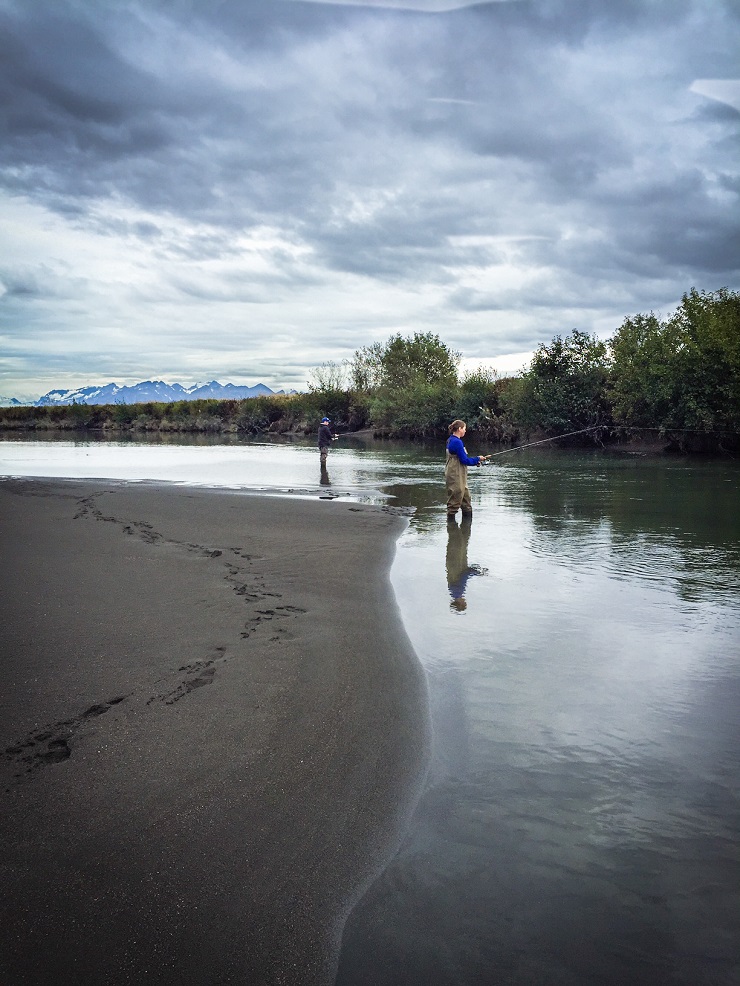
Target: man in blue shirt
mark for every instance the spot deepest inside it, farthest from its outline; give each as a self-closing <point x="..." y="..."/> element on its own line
<point x="456" y="471"/>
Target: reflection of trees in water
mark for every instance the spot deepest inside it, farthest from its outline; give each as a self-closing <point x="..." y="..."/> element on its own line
<point x="678" y="522"/>
<point x="428" y="499"/>
<point x="89" y="437"/>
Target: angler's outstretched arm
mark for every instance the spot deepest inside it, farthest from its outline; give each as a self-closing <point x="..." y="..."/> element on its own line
<point x="457" y="448"/>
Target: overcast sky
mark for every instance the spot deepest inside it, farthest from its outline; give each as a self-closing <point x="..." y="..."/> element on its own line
<point x="243" y="189"/>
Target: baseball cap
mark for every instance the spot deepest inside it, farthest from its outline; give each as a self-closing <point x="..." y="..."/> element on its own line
<point x="325" y="421"/>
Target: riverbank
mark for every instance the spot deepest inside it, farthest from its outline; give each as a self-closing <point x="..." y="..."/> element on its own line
<point x="214" y="730"/>
<point x="632" y="441"/>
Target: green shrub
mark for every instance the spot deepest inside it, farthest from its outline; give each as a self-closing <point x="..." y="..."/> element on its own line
<point x="683" y="372"/>
<point x="565" y="388"/>
<point x="403" y="362"/>
<point x="422" y="410"/>
<point x="646" y="388"/>
<point x="122" y="414"/>
<point x="478" y="398"/>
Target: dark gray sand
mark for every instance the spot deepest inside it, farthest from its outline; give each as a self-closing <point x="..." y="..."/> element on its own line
<point x="213" y="730"/>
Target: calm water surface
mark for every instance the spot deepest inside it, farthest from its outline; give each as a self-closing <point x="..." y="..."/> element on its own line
<point x="581" y="818"/>
<point x="581" y="637"/>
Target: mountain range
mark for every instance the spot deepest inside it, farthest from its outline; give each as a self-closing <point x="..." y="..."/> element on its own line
<point x="140" y="393"/>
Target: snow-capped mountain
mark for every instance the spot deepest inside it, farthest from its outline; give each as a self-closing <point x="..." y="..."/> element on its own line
<point x="10" y="402"/>
<point x="148" y="390"/>
<point x="227" y="391"/>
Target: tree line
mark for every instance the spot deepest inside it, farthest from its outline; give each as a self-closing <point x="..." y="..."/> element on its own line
<point x="677" y="376"/>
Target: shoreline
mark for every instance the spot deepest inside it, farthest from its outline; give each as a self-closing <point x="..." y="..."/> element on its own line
<point x="673" y="445"/>
<point x="214" y="730"/>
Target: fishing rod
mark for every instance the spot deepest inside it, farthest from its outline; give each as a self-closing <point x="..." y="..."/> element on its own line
<point x="582" y="431"/>
<point x="542" y="442"/>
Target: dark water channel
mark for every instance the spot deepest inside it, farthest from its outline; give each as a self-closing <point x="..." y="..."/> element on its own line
<point x="580" y="822"/>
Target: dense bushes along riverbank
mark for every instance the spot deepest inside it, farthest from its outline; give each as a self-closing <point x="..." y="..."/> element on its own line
<point x="677" y="379"/>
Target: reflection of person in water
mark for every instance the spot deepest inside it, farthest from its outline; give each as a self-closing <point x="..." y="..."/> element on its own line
<point x="458" y="570"/>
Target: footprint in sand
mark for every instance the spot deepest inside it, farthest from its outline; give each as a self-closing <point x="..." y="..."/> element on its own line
<point x="53" y="744"/>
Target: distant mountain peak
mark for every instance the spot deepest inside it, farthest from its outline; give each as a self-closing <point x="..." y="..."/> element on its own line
<point x="148" y="391"/>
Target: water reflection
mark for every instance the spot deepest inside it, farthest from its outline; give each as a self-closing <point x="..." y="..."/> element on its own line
<point x="456" y="561"/>
<point x="101" y="438"/>
<point x="580" y="818"/>
<point x="675" y="521"/>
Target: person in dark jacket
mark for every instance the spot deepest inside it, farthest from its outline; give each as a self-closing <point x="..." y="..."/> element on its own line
<point x="326" y="437"/>
<point x="456" y="471"/>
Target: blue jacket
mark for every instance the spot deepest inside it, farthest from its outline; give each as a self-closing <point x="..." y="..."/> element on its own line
<point x="456" y="447"/>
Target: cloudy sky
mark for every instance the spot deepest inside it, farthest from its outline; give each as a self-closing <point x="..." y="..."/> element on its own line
<point x="244" y="189"/>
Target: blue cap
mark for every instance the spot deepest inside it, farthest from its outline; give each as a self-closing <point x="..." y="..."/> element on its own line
<point x="325" y="421"/>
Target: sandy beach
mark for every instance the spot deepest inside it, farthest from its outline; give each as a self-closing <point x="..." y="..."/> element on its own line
<point x="213" y="731"/>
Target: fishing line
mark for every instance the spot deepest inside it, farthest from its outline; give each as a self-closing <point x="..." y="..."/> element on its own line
<point x="569" y="434"/>
<point x="542" y="442"/>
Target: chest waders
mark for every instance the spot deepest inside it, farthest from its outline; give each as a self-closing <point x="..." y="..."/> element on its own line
<point x="456" y="481"/>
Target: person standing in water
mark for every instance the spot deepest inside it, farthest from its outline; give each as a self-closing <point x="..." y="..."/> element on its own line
<point x="326" y="437"/>
<point x="456" y="471"/>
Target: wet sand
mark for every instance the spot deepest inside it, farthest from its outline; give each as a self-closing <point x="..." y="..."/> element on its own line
<point x="214" y="729"/>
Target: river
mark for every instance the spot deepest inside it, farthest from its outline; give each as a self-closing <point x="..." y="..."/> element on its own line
<point x="581" y="637"/>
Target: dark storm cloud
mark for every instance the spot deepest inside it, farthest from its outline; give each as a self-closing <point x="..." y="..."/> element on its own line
<point x="66" y="90"/>
<point x="85" y="119"/>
